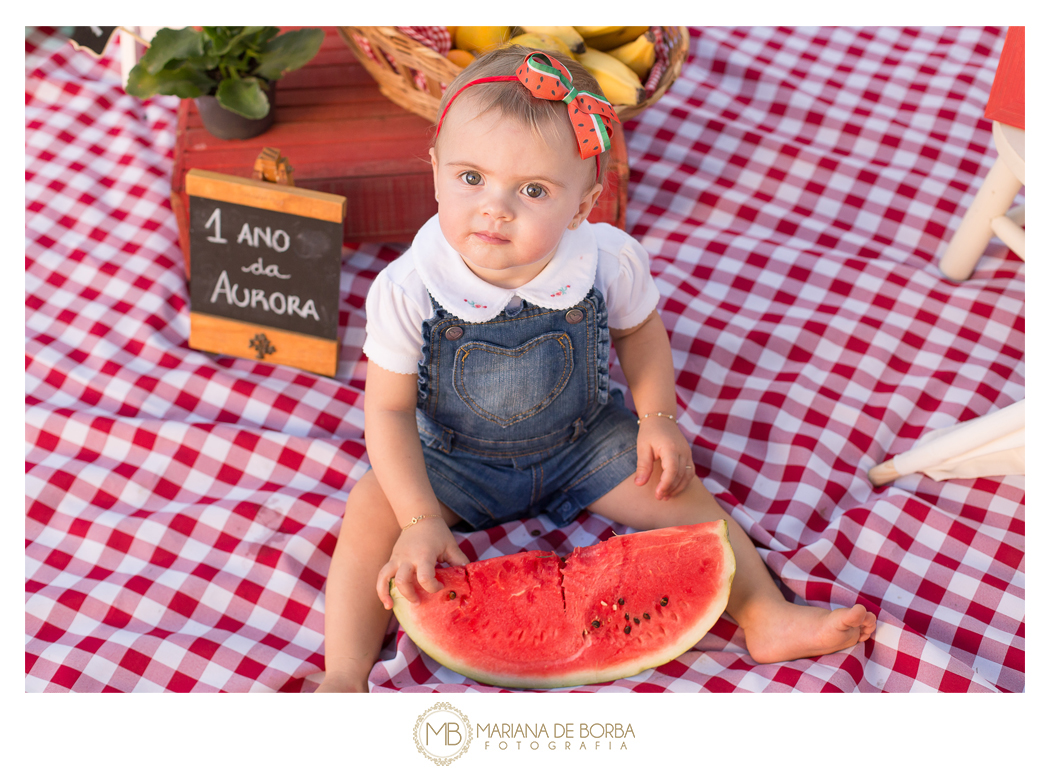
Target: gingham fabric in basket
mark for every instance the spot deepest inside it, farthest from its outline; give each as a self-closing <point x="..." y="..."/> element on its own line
<point x="794" y="189"/>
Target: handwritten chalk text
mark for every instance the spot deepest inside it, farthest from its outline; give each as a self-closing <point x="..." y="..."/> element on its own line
<point x="277" y="302"/>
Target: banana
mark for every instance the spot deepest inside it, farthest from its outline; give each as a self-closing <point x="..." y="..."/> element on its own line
<point x="618" y="36"/>
<point x="481" y="39"/>
<point x="567" y="35"/>
<point x="535" y="40"/>
<point x="594" y="32"/>
<point x="619" y="83"/>
<point x="638" y="55"/>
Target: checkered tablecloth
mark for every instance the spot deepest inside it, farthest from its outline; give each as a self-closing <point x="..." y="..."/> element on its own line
<point x="794" y="189"/>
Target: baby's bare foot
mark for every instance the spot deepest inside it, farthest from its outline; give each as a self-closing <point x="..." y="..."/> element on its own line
<point x="334" y="682"/>
<point x="794" y="631"/>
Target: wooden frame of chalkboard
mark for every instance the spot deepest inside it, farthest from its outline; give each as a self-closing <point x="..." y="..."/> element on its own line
<point x="266" y="260"/>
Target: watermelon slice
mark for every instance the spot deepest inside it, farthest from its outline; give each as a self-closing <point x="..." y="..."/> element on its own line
<point x="534" y="620"/>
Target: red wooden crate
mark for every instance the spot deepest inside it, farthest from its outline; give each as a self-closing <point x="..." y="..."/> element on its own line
<point x="340" y="135"/>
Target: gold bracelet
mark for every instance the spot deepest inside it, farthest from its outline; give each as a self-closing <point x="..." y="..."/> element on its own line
<point x="416" y="519"/>
<point x="670" y="417"/>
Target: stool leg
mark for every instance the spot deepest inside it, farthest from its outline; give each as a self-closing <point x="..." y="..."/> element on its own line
<point x="1010" y="233"/>
<point x="969" y="242"/>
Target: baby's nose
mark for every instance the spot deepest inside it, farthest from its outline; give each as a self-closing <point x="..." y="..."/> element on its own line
<point x="497" y="206"/>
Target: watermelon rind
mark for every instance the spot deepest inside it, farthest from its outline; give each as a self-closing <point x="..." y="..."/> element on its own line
<point x="417" y="630"/>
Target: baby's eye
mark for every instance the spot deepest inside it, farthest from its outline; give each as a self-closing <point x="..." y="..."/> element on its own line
<point x="473" y="178"/>
<point x="534" y="191"/>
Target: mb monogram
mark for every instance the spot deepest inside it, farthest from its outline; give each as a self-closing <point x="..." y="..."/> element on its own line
<point x="442" y="733"/>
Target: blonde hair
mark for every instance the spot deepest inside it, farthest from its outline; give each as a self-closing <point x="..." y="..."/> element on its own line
<point x="513" y="100"/>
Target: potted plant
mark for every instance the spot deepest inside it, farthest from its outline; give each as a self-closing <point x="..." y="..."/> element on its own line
<point x="231" y="71"/>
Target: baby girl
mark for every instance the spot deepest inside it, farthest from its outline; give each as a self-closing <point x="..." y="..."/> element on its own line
<point x="488" y="396"/>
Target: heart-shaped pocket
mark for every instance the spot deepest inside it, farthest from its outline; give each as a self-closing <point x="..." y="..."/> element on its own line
<point x="507" y="385"/>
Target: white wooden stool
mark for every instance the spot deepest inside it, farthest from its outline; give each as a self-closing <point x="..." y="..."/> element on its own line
<point x="988" y="214"/>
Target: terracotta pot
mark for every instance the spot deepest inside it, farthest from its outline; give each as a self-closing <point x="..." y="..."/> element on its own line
<point x="226" y="124"/>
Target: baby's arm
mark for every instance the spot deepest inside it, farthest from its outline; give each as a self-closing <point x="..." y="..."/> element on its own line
<point x="644" y="352"/>
<point x="396" y="455"/>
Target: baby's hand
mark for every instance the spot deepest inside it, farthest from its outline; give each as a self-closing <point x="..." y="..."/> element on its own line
<point x="660" y="439"/>
<point x="416" y="552"/>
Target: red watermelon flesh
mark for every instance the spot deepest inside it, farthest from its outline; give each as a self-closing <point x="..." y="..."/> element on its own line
<point x="534" y="620"/>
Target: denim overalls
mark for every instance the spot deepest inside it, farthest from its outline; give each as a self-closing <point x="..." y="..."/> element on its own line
<point x="516" y="416"/>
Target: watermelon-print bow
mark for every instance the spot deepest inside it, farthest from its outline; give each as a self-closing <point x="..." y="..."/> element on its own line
<point x="591" y="115"/>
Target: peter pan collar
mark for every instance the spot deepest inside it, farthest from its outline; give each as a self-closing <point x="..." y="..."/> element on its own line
<point x="562" y="284"/>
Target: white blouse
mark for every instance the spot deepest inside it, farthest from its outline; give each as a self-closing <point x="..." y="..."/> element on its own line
<point x="598" y="255"/>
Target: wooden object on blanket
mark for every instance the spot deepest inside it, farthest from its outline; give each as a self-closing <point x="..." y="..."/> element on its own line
<point x="403" y="57"/>
<point x="990" y="213"/>
<point x="345" y="138"/>
<point x="988" y="446"/>
<point x="267" y="259"/>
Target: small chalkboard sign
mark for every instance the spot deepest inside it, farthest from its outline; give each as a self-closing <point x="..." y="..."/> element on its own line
<point x="266" y="260"/>
<point x="93" y="40"/>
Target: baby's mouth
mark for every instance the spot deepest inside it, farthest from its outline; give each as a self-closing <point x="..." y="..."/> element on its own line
<point x="490" y="238"/>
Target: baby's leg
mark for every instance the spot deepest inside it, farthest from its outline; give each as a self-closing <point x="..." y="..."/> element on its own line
<point x="774" y="628"/>
<point x="355" y="620"/>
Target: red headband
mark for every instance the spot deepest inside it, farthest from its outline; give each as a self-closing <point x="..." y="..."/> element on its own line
<point x="591" y="115"/>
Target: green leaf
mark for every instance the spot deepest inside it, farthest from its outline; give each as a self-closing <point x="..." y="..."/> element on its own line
<point x="205" y="63"/>
<point x="243" y="96"/>
<point x="168" y="45"/>
<point x="236" y="43"/>
<point x="263" y="36"/>
<point x="216" y="36"/>
<point x="288" y="52"/>
<point x="185" y="82"/>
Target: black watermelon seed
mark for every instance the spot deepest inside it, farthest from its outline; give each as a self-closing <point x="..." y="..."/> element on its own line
<point x="535" y="532"/>
<point x="596" y="623"/>
<point x="645" y="615"/>
<point x="637" y="622"/>
<point x="663" y="601"/>
<point x="627" y="630"/>
<point x="626" y="616"/>
<point x="451" y="595"/>
<point x="620" y="602"/>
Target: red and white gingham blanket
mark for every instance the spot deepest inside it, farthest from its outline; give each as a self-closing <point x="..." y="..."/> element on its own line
<point x="794" y="189"/>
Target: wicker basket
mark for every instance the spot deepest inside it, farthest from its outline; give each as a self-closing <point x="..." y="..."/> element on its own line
<point x="398" y="83"/>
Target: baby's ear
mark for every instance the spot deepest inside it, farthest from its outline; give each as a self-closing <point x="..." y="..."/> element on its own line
<point x="590" y="197"/>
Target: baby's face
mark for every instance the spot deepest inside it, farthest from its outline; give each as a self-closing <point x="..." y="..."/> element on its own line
<point x="506" y="194"/>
